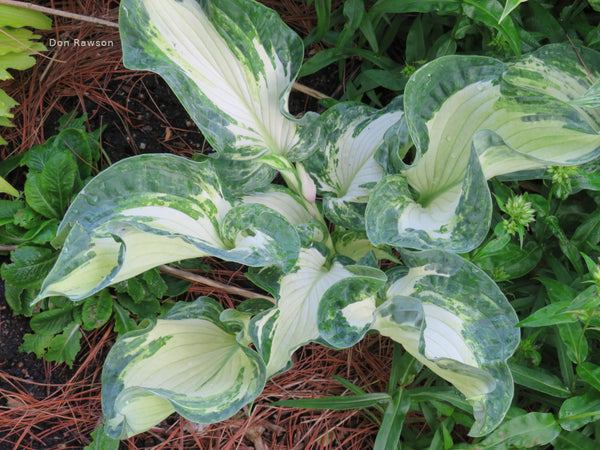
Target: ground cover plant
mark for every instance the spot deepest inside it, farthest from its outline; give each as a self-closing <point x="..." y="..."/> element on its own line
<point x="538" y="230"/>
<point x="242" y="217"/>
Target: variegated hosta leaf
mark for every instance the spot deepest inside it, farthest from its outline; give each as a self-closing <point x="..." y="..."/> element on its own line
<point x="356" y="245"/>
<point x="442" y="119"/>
<point x="515" y="117"/>
<point x="344" y="167"/>
<point x="185" y="362"/>
<point x="154" y="209"/>
<point x="238" y="178"/>
<point x="290" y="206"/>
<point x="231" y="63"/>
<point x="469" y="329"/>
<point x="564" y="77"/>
<point x="293" y="322"/>
<point x="345" y="306"/>
<point x="457" y="219"/>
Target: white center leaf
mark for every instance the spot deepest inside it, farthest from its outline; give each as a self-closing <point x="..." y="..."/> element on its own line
<point x="231" y="63"/>
<point x="473" y="118"/>
<point x="155" y="209"/>
<point x="185" y="362"/>
<point x="307" y="307"/>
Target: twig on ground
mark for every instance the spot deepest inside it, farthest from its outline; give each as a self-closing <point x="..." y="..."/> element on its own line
<point x="310" y="91"/>
<point x="57" y="12"/>
<point x="184" y="275"/>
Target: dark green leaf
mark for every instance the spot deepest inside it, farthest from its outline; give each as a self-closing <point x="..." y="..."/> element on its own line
<point x="100" y="441"/>
<point x="393" y="420"/>
<point x="590" y="373"/>
<point x="405" y="6"/>
<point x="96" y="310"/>
<point x="40" y="200"/>
<point x="574" y="441"/>
<point x="144" y="309"/>
<point x="323" y="8"/>
<point x="553" y="314"/>
<point x="509" y="261"/>
<point x="529" y="430"/>
<point x="57" y="180"/>
<point x="576" y="412"/>
<point x="123" y="321"/>
<point x="35" y="343"/>
<point x="29" y="267"/>
<point x="65" y="346"/>
<point x="51" y="322"/>
<point x="415" y="42"/>
<point x="8" y="209"/>
<point x="576" y="343"/>
<point x="155" y="283"/>
<point x="539" y="380"/>
<point x="489" y="12"/>
<point x="26" y="218"/>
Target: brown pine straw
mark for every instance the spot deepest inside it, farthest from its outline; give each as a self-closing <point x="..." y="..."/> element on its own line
<point x="90" y="81"/>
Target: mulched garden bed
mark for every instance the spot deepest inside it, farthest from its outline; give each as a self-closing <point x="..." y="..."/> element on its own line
<point x="44" y="406"/>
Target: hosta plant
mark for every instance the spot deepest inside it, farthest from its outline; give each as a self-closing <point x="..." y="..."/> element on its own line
<point x="358" y="181"/>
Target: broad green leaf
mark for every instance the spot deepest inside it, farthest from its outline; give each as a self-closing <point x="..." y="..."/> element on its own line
<point x="294" y="321"/>
<point x="19" y="299"/>
<point x="464" y="332"/>
<point x="539" y="380"/>
<point x="574" y="440"/>
<point x="576" y="344"/>
<point x="576" y="412"/>
<point x="39" y="199"/>
<point x="35" y="343"/>
<point x="58" y="179"/>
<point x="6" y="188"/>
<point x="16" y="17"/>
<point x="97" y="310"/>
<point x="343" y="167"/>
<point x="509" y="7"/>
<point x="30" y="264"/>
<point x="184" y="362"/>
<point x="123" y="321"/>
<point x="100" y="441"/>
<point x="553" y="314"/>
<point x="511" y="261"/>
<point x="590" y="373"/>
<point x="65" y="346"/>
<point x="491" y="13"/>
<point x="51" y="322"/>
<point x="230" y="62"/>
<point x="154" y="209"/>
<point x="530" y="430"/>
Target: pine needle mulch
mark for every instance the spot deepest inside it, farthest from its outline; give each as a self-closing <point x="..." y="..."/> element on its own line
<point x="93" y="81"/>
